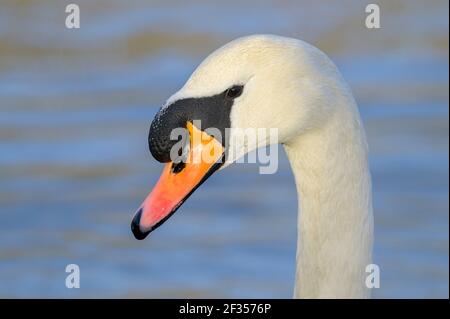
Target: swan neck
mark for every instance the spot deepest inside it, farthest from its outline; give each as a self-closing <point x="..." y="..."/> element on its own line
<point x="335" y="222"/>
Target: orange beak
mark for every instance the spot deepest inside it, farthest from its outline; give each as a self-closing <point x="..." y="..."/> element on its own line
<point x="178" y="181"/>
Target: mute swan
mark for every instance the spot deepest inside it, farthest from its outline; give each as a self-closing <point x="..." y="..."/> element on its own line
<point x="267" y="81"/>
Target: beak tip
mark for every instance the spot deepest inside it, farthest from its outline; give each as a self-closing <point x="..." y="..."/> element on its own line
<point x="136" y="228"/>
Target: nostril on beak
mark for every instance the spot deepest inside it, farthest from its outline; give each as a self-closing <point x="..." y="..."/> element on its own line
<point x="179" y="164"/>
<point x="178" y="167"/>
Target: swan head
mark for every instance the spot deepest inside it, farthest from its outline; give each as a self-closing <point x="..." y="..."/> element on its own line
<point x="255" y="82"/>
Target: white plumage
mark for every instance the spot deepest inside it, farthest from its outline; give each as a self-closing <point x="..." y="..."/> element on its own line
<point x="294" y="87"/>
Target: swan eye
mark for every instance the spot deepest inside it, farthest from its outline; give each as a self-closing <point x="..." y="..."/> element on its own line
<point x="234" y="91"/>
